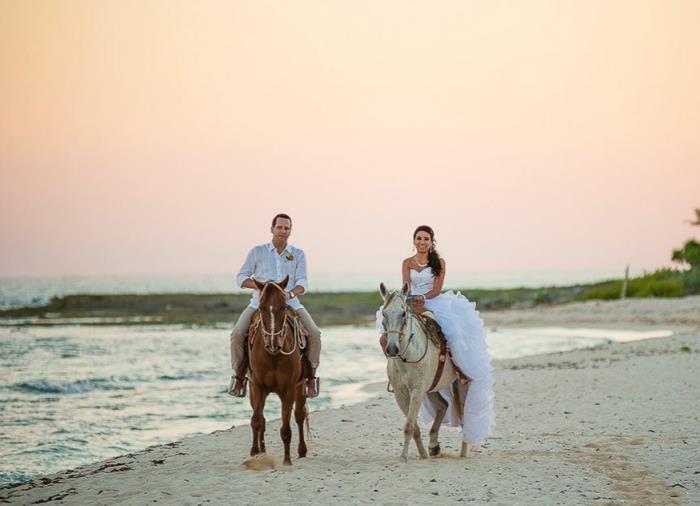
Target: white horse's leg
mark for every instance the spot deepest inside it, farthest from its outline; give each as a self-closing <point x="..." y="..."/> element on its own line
<point x="419" y="442"/>
<point x="464" y="452"/>
<point x="401" y="394"/>
<point x="409" y="429"/>
<point x="440" y="405"/>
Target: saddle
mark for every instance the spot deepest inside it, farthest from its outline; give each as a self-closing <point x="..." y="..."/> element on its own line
<point x="432" y="329"/>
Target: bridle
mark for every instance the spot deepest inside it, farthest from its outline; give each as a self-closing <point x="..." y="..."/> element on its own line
<point x="401" y="355"/>
<point x="272" y="334"/>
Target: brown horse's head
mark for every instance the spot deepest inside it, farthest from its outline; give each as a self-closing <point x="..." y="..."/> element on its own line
<point x="273" y="310"/>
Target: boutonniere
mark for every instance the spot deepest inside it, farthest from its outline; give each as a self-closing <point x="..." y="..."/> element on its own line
<point x="290" y="257"/>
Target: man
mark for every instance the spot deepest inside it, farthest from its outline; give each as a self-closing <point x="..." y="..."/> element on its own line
<point x="272" y="262"/>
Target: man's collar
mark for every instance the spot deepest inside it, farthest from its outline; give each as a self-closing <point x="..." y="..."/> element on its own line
<point x="271" y="247"/>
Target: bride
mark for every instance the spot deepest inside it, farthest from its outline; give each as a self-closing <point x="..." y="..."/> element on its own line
<point x="464" y="329"/>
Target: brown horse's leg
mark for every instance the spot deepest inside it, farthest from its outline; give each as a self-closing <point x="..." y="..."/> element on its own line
<point x="440" y="406"/>
<point x="300" y="416"/>
<point x="262" y="432"/>
<point x="286" y="430"/>
<point x="257" y="421"/>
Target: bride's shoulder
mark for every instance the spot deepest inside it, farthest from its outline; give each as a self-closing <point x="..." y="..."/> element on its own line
<point x="407" y="261"/>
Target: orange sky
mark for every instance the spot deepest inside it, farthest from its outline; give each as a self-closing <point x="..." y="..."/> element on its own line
<point x="161" y="136"/>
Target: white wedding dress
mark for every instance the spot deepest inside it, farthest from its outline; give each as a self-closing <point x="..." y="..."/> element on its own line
<point x="464" y="330"/>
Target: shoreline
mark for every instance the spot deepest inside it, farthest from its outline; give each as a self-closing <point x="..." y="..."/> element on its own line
<point x="215" y="310"/>
<point x="614" y="423"/>
<point x="328" y="308"/>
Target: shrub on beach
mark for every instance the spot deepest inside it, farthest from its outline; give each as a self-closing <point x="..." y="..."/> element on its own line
<point x="662" y="283"/>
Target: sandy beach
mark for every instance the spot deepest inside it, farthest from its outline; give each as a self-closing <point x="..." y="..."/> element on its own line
<point x="618" y="424"/>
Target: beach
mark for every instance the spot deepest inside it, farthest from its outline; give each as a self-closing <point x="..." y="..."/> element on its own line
<point x="615" y="424"/>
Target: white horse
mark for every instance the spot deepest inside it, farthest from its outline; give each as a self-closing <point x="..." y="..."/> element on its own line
<point x="412" y="367"/>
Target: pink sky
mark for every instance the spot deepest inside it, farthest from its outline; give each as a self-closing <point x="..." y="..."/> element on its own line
<point x="161" y="136"/>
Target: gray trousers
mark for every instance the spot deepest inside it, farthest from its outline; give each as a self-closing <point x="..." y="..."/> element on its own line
<point x="240" y="331"/>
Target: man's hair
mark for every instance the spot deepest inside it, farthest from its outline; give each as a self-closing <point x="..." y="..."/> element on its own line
<point x="281" y="215"/>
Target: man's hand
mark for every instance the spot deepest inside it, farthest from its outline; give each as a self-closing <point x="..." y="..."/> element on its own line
<point x="248" y="283"/>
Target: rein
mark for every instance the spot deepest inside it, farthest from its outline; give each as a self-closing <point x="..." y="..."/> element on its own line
<point x="402" y="355"/>
<point x="272" y="333"/>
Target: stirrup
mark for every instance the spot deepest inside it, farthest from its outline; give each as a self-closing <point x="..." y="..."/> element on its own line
<point x="317" y="385"/>
<point x="243" y="386"/>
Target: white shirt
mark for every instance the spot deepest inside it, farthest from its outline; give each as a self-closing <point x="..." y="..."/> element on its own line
<point x="263" y="263"/>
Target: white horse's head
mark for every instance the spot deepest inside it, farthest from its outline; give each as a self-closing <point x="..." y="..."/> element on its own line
<point x="394" y="317"/>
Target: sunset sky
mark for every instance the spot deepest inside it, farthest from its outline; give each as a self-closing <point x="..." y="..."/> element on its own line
<point x="160" y="137"/>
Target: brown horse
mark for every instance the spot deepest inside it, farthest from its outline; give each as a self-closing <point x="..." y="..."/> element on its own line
<point x="275" y="367"/>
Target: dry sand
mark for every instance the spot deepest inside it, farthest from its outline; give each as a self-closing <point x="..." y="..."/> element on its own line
<point x="619" y="424"/>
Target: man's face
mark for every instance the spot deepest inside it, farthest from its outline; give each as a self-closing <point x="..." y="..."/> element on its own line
<point x="282" y="230"/>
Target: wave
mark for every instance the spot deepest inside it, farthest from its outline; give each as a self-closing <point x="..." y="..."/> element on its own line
<point x="102" y="384"/>
<point x="74" y="387"/>
<point x="187" y="376"/>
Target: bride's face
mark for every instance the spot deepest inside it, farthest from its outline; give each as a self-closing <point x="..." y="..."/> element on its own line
<point x="422" y="242"/>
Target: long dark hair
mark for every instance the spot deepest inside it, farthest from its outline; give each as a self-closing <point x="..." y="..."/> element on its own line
<point x="433" y="255"/>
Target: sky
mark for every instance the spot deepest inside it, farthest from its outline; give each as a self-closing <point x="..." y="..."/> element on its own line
<point x="161" y="136"/>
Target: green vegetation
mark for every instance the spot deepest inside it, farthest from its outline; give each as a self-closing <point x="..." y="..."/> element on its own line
<point x="662" y="283"/>
<point x="689" y="255"/>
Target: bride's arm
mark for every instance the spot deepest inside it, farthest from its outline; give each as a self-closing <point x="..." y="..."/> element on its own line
<point x="437" y="284"/>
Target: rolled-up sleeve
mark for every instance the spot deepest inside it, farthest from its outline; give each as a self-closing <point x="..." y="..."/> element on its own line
<point x="300" y="278"/>
<point x="247" y="269"/>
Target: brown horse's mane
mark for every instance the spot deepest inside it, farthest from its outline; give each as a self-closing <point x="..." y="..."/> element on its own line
<point x="279" y="293"/>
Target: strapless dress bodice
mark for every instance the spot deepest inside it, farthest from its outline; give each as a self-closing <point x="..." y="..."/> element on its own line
<point x="421" y="281"/>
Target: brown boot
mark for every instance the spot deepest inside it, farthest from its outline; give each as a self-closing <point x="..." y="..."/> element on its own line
<point x="237" y="386"/>
<point x="239" y="381"/>
<point x="311" y="385"/>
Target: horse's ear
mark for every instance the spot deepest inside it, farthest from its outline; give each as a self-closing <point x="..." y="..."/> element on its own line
<point x="404" y="289"/>
<point x="259" y="284"/>
<point x="284" y="282"/>
<point x="382" y="290"/>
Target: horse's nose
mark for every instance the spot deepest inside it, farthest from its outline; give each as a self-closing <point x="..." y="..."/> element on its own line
<point x="392" y="350"/>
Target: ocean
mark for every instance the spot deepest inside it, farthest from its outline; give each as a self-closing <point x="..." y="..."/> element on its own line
<point x="71" y="395"/>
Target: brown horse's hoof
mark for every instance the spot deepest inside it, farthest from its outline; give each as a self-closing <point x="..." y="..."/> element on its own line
<point x="435" y="451"/>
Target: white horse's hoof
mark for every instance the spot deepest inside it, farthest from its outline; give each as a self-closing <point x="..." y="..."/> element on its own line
<point x="403" y="459"/>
